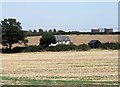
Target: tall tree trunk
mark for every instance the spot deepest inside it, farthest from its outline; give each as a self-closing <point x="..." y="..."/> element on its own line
<point x="10" y="45"/>
<point x="25" y="41"/>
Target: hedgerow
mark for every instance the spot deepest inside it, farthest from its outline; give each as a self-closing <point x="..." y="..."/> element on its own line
<point x="61" y="47"/>
<point x="108" y="45"/>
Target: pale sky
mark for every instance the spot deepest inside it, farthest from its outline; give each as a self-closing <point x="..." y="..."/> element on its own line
<point x="68" y="16"/>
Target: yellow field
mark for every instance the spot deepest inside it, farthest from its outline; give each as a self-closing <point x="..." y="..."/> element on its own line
<point x="75" y="39"/>
<point x="78" y="39"/>
<point x="93" y="65"/>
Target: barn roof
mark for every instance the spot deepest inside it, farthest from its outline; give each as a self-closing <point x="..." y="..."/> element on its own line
<point x="93" y="41"/>
<point x="62" y="38"/>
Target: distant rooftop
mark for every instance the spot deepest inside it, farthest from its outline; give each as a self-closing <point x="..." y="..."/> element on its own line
<point x="62" y="38"/>
<point x="93" y="41"/>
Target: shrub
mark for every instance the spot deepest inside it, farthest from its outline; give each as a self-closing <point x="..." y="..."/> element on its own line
<point x="47" y="39"/>
<point x="84" y="47"/>
<point x="18" y="49"/>
<point x="62" y="47"/>
<point x="14" y="50"/>
<point x="72" y="47"/>
<point x="33" y="48"/>
<point x="110" y="46"/>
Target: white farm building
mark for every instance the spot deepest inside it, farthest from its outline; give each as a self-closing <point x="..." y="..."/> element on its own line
<point x="61" y="39"/>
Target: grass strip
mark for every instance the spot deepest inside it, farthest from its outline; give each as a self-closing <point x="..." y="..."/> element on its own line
<point x="28" y="81"/>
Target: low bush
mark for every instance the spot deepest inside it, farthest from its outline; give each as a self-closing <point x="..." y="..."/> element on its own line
<point x="108" y="45"/>
<point x="14" y="50"/>
<point x="33" y="48"/>
<point x="6" y="50"/>
<point x="83" y="47"/>
<point x="62" y="47"/>
<point x="18" y="49"/>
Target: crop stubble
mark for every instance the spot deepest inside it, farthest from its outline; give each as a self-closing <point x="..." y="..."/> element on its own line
<point x="95" y="65"/>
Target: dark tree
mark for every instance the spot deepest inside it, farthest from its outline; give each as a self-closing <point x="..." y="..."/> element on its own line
<point x="30" y="30"/>
<point x="54" y="30"/>
<point x="11" y="32"/>
<point x="50" y="31"/>
<point x="61" y="31"/>
<point x="45" y="31"/>
<point x="0" y="33"/>
<point x="34" y="31"/>
<point x="47" y="39"/>
<point x="40" y="30"/>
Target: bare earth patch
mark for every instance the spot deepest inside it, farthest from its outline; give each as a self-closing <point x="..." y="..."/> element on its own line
<point x="94" y="65"/>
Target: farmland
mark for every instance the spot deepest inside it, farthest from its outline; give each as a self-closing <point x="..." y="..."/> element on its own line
<point x="75" y="39"/>
<point x="78" y="39"/>
<point x="71" y="67"/>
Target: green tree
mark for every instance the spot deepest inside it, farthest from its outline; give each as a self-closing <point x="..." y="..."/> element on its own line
<point x="61" y="31"/>
<point x="54" y="30"/>
<point x="11" y="32"/>
<point x="0" y="33"/>
<point x="34" y="31"/>
<point x="47" y="39"/>
<point x="40" y="30"/>
<point x="50" y="31"/>
<point x="30" y="31"/>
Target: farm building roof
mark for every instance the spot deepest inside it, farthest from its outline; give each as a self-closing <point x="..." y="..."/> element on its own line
<point x="62" y="38"/>
<point x="93" y="41"/>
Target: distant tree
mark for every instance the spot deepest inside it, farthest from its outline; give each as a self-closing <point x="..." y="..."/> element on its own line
<point x="50" y="31"/>
<point x="30" y="30"/>
<point x="61" y="31"/>
<point x="0" y="33"/>
<point x="25" y="41"/>
<point x="45" y="31"/>
<point x="54" y="30"/>
<point x="47" y="39"/>
<point x="34" y="31"/>
<point x="11" y="32"/>
<point x="40" y="30"/>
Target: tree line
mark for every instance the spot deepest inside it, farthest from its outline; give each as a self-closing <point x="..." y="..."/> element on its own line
<point x="61" y="32"/>
<point x="12" y="33"/>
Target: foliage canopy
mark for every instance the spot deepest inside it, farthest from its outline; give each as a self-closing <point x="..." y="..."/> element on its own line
<point x="11" y="32"/>
<point x="47" y="39"/>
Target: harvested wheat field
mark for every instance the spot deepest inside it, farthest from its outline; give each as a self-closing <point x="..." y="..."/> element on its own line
<point x="84" y="67"/>
<point x="78" y="39"/>
<point x="75" y="39"/>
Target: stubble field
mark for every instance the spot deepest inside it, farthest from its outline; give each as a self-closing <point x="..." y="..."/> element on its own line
<point x="75" y="39"/>
<point x="84" y="67"/>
